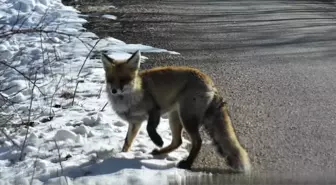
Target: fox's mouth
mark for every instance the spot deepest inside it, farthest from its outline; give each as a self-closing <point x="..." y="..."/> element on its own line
<point x="121" y="96"/>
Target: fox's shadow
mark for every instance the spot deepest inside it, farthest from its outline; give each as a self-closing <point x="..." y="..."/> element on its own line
<point x="107" y="166"/>
<point x="112" y="165"/>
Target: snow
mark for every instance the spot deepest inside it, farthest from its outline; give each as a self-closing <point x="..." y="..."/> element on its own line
<point x="65" y="135"/>
<point x="70" y="140"/>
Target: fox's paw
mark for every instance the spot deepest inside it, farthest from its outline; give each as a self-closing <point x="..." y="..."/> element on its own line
<point x="184" y="165"/>
<point x="155" y="152"/>
<point x="125" y="148"/>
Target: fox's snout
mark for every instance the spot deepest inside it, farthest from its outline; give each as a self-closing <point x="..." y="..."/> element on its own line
<point x="114" y="91"/>
<point x="117" y="89"/>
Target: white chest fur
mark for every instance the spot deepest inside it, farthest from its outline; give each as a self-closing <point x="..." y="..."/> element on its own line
<point x="127" y="106"/>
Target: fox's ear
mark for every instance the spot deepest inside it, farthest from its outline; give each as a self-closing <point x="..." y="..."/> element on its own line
<point x="134" y="60"/>
<point x="107" y="61"/>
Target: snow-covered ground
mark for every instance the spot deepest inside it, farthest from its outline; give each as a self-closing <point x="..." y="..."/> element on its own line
<point x="70" y="140"/>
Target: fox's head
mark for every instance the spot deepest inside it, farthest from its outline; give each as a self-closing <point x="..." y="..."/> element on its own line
<point x="122" y="76"/>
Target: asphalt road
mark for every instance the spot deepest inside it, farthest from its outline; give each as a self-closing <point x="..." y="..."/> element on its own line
<point x="273" y="60"/>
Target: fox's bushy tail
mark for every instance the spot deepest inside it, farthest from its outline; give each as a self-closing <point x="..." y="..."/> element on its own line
<point x="217" y="123"/>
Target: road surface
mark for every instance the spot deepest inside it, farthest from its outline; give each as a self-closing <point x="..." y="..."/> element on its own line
<point x="274" y="61"/>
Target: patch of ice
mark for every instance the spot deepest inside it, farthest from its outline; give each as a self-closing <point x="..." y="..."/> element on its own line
<point x="117" y="50"/>
<point x="111" y="6"/>
<point x="108" y="16"/>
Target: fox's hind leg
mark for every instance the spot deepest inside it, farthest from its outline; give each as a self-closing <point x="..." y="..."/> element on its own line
<point x="191" y="111"/>
<point x="176" y="129"/>
<point x="190" y="125"/>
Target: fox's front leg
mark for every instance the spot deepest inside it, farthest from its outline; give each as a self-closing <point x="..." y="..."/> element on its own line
<point x="153" y="122"/>
<point x="133" y="129"/>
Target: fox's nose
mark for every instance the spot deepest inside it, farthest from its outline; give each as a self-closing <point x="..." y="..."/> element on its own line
<point x="114" y="91"/>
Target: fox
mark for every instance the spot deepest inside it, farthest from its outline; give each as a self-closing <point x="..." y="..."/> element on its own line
<point x="187" y="95"/>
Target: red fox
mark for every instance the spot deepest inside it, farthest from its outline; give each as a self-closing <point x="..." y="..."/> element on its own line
<point x="186" y="94"/>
